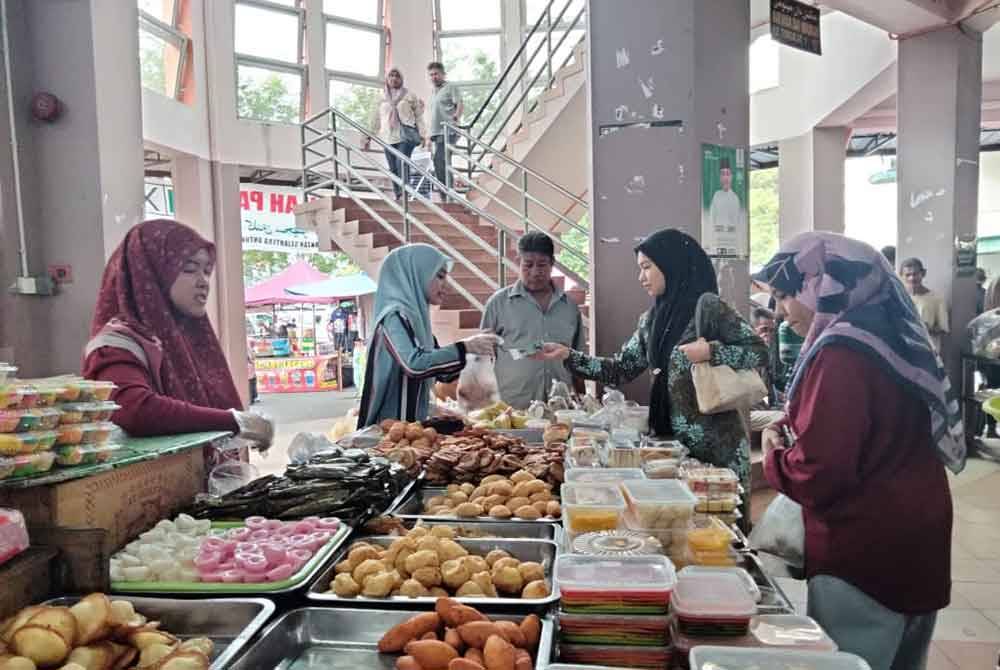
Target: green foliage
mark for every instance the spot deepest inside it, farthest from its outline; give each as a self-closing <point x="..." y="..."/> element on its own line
<point x="763" y="216"/>
<point x="152" y="71"/>
<point x="267" y="100"/>
<point x="357" y="102"/>
<point x="261" y="265"/>
<point x="579" y="242"/>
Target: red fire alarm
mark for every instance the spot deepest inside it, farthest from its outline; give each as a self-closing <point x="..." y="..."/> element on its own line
<point x="46" y="107"/>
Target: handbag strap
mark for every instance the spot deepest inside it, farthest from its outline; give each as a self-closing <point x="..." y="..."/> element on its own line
<point x="697" y="315"/>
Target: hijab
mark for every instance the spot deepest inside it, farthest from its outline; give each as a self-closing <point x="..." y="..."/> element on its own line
<point x="860" y="303"/>
<point x="689" y="275"/>
<point x="182" y="353"/>
<point x="393" y="96"/>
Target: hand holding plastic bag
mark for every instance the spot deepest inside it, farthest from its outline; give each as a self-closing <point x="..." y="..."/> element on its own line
<point x="255" y="428"/>
<point x="477" y="385"/>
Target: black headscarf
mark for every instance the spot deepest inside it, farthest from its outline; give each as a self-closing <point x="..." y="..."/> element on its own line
<point x="689" y="275"/>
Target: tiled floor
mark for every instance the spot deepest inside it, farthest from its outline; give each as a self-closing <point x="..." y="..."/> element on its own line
<point x="967" y="635"/>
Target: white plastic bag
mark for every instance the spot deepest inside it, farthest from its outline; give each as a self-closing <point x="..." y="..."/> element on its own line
<point x="305" y="445"/>
<point x="229" y="476"/>
<point x="781" y="531"/>
<point x="477" y="385"/>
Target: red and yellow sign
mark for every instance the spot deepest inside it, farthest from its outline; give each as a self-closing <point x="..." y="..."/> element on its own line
<point x="298" y="375"/>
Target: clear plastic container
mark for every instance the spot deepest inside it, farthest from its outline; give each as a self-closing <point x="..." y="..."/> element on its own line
<point x="623" y="455"/>
<point x="587" y="455"/>
<point x="721" y="559"/>
<point x="664" y="503"/>
<point x="88" y="454"/>
<point x="743" y="575"/>
<point x="92" y="412"/>
<point x="616" y="544"/>
<point x="87" y="390"/>
<point x="19" y="420"/>
<point x="10" y="397"/>
<point x="790" y="630"/>
<point x="721" y="504"/>
<point x="7" y="467"/>
<point x="636" y="418"/>
<point x="654" y="658"/>
<point x="603" y="475"/>
<point x="709" y="480"/>
<point x="13" y="444"/>
<point x="13" y="534"/>
<point x="662" y="468"/>
<point x="570" y="416"/>
<point x="737" y="658"/>
<point x="48" y="396"/>
<point x="29" y="397"/>
<point x="653" y="449"/>
<point x="587" y="508"/>
<point x="619" y="629"/>
<point x="712" y="603"/>
<point x="84" y="433"/>
<point x="33" y="464"/>
<point x="7" y="371"/>
<point x="674" y="540"/>
<point x="710" y="534"/>
<point x="629" y="585"/>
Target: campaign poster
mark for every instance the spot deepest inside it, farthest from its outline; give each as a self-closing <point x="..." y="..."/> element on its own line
<point x="725" y="226"/>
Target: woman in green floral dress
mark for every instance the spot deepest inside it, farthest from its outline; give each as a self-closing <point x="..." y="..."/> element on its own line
<point x="674" y="269"/>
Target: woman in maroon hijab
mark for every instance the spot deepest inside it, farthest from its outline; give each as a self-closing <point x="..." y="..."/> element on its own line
<point x="151" y="336"/>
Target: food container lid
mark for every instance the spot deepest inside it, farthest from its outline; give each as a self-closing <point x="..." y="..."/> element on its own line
<point x="659" y="492"/>
<point x="603" y="475"/>
<point x="711" y="475"/>
<point x="737" y="658"/>
<point x="713" y="594"/>
<point x="745" y="578"/>
<point x="90" y="406"/>
<point x="43" y="460"/>
<point x="656" y="465"/>
<point x="84" y="449"/>
<point x="790" y="630"/>
<point x="592" y="495"/>
<point x="626" y="437"/>
<point x="632" y="523"/>
<point x="616" y="543"/>
<point x="628" y="573"/>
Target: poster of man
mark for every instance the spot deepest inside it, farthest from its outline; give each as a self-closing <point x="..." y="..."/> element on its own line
<point x="725" y="227"/>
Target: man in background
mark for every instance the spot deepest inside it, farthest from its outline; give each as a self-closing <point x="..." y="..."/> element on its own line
<point x="446" y="107"/>
<point x="528" y="314"/>
<point x="933" y="309"/>
<point x="980" y="291"/>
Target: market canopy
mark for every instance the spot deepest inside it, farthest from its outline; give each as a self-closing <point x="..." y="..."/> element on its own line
<point x="336" y="287"/>
<point x="273" y="291"/>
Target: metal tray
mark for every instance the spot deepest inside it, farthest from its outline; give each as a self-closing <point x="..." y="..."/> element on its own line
<point x="413" y="508"/>
<point x="540" y="551"/>
<point x="229" y="622"/>
<point x="515" y="530"/>
<point x="342" y="639"/>
<point x="773" y="600"/>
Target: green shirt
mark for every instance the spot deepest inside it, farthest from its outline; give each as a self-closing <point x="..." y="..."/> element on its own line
<point x="444" y="102"/>
<point x="513" y="314"/>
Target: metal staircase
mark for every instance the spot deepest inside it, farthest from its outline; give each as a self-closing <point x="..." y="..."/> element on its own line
<point x="348" y="205"/>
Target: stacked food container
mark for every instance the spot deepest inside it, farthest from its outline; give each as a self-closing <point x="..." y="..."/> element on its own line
<point x="710" y="604"/>
<point x="85" y="427"/>
<point x="717" y="491"/>
<point x="766" y="631"/>
<point x="661" y="509"/>
<point x="613" y="611"/>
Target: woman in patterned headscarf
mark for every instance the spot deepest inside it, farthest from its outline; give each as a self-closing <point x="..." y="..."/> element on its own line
<point x="870" y="425"/>
<point x="152" y="337"/>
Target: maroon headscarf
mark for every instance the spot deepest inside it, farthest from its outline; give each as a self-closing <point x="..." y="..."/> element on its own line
<point x="184" y="354"/>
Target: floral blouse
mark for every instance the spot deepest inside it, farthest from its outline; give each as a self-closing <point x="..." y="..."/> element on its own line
<point x="719" y="439"/>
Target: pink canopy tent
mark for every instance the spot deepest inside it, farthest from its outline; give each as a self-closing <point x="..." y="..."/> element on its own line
<point x="272" y="291"/>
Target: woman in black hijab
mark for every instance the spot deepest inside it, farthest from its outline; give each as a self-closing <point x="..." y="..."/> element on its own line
<point x="675" y="271"/>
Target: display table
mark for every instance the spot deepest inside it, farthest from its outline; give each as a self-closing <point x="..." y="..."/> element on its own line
<point x="299" y="374"/>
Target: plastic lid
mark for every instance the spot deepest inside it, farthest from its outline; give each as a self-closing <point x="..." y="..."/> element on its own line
<point x="629" y="573"/>
<point x="616" y="543"/>
<point x="711" y="475"/>
<point x="744" y="576"/>
<point x="790" y="630"/>
<point x="736" y="658"/>
<point x="90" y="406"/>
<point x="659" y="492"/>
<point x="592" y="495"/>
<point x="604" y="475"/>
<point x="707" y="594"/>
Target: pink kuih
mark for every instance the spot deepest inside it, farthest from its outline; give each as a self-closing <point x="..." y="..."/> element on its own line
<point x="281" y="573"/>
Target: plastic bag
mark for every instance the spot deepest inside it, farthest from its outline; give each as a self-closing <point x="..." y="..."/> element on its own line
<point x="306" y="445"/>
<point x="230" y="476"/>
<point x="477" y="385"/>
<point x="13" y="534"/>
<point x="366" y="438"/>
<point x="984" y="333"/>
<point x="781" y="531"/>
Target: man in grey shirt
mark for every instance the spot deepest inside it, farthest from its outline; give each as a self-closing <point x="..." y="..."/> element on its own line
<point x="446" y="106"/>
<point x="526" y="315"/>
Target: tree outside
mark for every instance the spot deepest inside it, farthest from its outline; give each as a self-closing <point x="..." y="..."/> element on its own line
<point x="267" y="99"/>
<point x="261" y="265"/>
<point x="358" y="101"/>
<point x="151" y="68"/>
<point x="579" y="242"/>
<point x="763" y="216"/>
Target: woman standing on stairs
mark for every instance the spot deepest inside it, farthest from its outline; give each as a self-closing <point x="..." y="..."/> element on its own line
<point x="399" y="122"/>
<point x="404" y="359"/>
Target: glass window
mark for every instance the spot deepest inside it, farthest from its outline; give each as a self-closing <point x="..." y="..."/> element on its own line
<point x="534" y="8"/>
<point x="357" y="101"/>
<point x="159" y="9"/>
<point x="468" y="15"/>
<point x="473" y="98"/>
<point x="267" y="33"/>
<point x="363" y="11"/>
<point x="353" y="50"/>
<point x="268" y="95"/>
<point x="153" y="55"/>
<point x="284" y="3"/>
<point x="472" y="58"/>
<point x="162" y="47"/>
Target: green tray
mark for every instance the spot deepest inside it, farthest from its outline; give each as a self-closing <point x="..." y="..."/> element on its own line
<point x="303" y="576"/>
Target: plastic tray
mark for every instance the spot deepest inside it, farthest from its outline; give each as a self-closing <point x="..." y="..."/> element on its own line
<point x="48" y="396"/>
<point x="655" y="658"/>
<point x="301" y="578"/>
<point x="86" y="454"/>
<point x="735" y="658"/>
<point x="23" y="420"/>
<point x="616" y="544"/>
<point x="653" y="449"/>
<point x="588" y="508"/>
<point x="603" y="475"/>
<point x="85" y="433"/>
<point x="28" y="465"/>
<point x="92" y="411"/>
<point x="628" y="585"/>
<point x="660" y="504"/>
<point x="712" y="603"/>
<point x="752" y="588"/>
<point x="790" y="630"/>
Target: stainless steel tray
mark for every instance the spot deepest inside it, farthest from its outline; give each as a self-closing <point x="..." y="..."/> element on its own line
<point x="412" y="507"/>
<point x="514" y="530"/>
<point x="540" y="551"/>
<point x="229" y="622"/>
<point x="773" y="600"/>
<point x="342" y="639"/>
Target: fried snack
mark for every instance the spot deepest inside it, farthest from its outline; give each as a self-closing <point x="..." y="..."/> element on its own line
<point x="499" y="654"/>
<point x="470" y="590"/>
<point x="531" y="571"/>
<point x="431" y="654"/>
<point x="454" y="613"/>
<point x="41" y="645"/>
<point x="536" y="590"/>
<point x="345" y="587"/>
<point x="508" y="580"/>
<point x="93" y="618"/>
<point x="531" y="626"/>
<point x="495" y="556"/>
<point x="379" y="586"/>
<point x="476" y="633"/>
<point x="396" y="638"/>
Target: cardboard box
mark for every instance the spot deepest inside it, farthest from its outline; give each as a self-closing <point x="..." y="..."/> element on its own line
<point x="26" y="580"/>
<point x="124" y="502"/>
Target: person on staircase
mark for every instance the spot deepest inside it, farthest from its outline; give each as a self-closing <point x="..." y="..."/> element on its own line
<point x="404" y="358"/>
<point x="527" y="314"/>
<point x="446" y="107"/>
<point x="399" y="122"/>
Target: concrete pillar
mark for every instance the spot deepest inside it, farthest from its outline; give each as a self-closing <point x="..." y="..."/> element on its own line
<point x="811" y="182"/>
<point x="939" y="110"/>
<point x="690" y="58"/>
<point x="412" y="47"/>
<point x="81" y="175"/>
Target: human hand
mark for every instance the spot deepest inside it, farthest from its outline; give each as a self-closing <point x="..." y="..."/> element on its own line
<point x="255" y="428"/>
<point x="484" y="344"/>
<point x="552" y="351"/>
<point x="698" y="351"/>
<point x="770" y="440"/>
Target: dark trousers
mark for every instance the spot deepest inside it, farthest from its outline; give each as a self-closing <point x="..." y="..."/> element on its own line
<point x="396" y="165"/>
<point x="439" y="155"/>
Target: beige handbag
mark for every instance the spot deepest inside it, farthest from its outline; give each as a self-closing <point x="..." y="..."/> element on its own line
<point x="720" y="388"/>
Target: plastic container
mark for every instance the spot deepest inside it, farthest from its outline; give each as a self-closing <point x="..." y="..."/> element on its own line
<point x="710" y="534"/>
<point x="48" y="396"/>
<point x="70" y="415"/>
<point x="84" y="433"/>
<point x="653" y="449"/>
<point x="7" y="371"/>
<point x="29" y="397"/>
<point x="10" y="397"/>
<point x="662" y="468"/>
<point x="674" y="540"/>
<point x="720" y="559"/>
<point x="13" y="534"/>
<point x="790" y="630"/>
<point x="87" y="454"/>
<point x="18" y="420"/>
<point x="584" y="456"/>
<point x="587" y="508"/>
<point x="630" y="585"/>
<point x="87" y="390"/>
<point x="603" y="475"/>
<point x="709" y="480"/>
<point x="33" y="464"/>
<point x="737" y="658"/>
<point x="7" y="466"/>
<point x="722" y="504"/>
<point x="40" y="441"/>
<point x="707" y="604"/>
<point x="744" y="576"/>
<point x="570" y="416"/>
<point x="623" y="455"/>
<point x="655" y="658"/>
<point x="44" y="419"/>
<point x="618" y="629"/>
<point x="660" y="504"/>
<point x="12" y="444"/>
<point x="92" y="412"/>
<point x="616" y="544"/>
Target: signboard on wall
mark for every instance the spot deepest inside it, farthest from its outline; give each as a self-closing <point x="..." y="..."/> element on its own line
<point x="267" y="215"/>
<point x="295" y="375"/>
<point x="796" y="24"/>
<point x="725" y="227"/>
